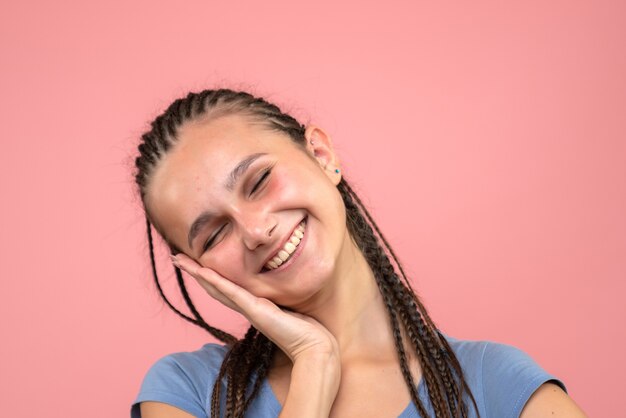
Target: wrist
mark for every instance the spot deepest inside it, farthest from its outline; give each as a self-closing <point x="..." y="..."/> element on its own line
<point x="315" y="379"/>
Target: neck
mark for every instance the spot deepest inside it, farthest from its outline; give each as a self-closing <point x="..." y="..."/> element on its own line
<point x="351" y="307"/>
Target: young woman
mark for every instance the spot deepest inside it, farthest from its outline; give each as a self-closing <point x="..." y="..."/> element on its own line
<point x="255" y="207"/>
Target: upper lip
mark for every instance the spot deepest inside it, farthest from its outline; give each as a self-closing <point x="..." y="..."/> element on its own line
<point x="282" y="243"/>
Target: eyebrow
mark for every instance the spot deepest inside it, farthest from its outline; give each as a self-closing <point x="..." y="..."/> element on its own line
<point x="232" y="179"/>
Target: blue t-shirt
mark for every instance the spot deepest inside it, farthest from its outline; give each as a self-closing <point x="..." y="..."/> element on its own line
<point x="501" y="378"/>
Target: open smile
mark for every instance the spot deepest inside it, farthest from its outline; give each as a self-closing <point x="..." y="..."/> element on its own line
<point x="290" y="250"/>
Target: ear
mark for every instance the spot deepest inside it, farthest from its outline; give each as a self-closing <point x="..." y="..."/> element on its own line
<point x="320" y="146"/>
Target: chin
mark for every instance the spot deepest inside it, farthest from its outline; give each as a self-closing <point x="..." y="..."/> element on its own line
<point x="304" y="292"/>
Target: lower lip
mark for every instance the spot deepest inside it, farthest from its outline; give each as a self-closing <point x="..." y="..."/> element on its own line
<point x="296" y="253"/>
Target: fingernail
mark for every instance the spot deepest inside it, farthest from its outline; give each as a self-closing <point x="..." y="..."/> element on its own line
<point x="175" y="260"/>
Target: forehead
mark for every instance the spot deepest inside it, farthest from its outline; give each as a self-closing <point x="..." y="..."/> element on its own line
<point x="194" y="169"/>
<point x="224" y="134"/>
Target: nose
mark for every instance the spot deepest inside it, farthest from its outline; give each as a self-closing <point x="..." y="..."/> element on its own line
<point x="257" y="229"/>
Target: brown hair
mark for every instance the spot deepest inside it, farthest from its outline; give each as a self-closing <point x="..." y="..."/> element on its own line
<point x="248" y="359"/>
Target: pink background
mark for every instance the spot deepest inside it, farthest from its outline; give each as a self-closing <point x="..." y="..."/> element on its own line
<point x="487" y="139"/>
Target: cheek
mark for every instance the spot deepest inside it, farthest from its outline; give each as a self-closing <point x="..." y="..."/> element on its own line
<point x="215" y="260"/>
<point x="282" y="188"/>
<point x="300" y="188"/>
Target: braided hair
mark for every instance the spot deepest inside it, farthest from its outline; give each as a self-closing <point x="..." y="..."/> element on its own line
<point x="248" y="359"/>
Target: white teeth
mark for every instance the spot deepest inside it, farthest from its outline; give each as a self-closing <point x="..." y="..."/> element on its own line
<point x="288" y="249"/>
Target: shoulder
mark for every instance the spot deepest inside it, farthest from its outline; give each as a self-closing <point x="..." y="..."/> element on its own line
<point x="488" y="360"/>
<point x="502" y="377"/>
<point x="208" y="358"/>
<point x="182" y="379"/>
<point x="551" y="400"/>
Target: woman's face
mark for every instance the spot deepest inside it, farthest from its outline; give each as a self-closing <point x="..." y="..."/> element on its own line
<point x="230" y="194"/>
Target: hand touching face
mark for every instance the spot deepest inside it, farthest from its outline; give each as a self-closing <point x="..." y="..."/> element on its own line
<point x="231" y="194"/>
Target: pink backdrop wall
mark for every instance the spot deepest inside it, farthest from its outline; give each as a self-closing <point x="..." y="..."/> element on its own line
<point x="488" y="140"/>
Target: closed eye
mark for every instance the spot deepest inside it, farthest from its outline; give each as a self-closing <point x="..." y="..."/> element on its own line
<point x="212" y="239"/>
<point x="260" y="182"/>
<point x="264" y="176"/>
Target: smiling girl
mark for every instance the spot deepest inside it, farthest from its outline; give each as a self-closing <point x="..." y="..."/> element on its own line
<point x="255" y="207"/>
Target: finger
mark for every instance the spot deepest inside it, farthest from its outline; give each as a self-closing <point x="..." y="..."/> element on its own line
<point x="191" y="267"/>
<point x="244" y="300"/>
<point x="216" y="294"/>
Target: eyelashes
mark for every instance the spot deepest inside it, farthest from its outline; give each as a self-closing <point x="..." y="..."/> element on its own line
<point x="264" y="176"/>
<point x="210" y="241"/>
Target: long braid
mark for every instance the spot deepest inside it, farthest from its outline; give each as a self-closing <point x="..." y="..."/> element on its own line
<point x="199" y="321"/>
<point x="257" y="359"/>
<point x="421" y="329"/>
<point x="380" y="263"/>
<point x="218" y="333"/>
<point x="216" y="397"/>
<point x="404" y="365"/>
<point x="438" y="375"/>
<point x="371" y="251"/>
<point x="266" y="350"/>
<point x="231" y="386"/>
<point x="379" y="233"/>
<point x="156" y="280"/>
<point x="236" y="389"/>
<point x="248" y="360"/>
<point x="250" y="356"/>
